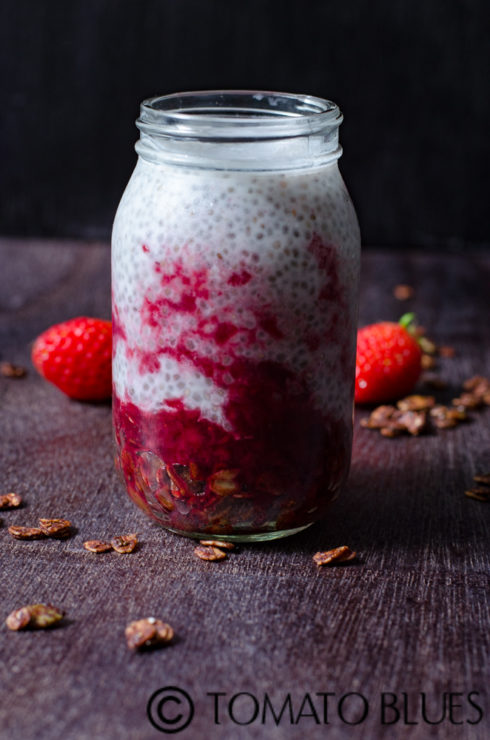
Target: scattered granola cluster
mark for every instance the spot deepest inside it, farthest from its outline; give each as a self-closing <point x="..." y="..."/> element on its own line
<point x="97" y="546"/>
<point x="54" y="528"/>
<point x="430" y="350"/>
<point x="10" y="501"/>
<point x="148" y="633"/>
<point x="411" y="415"/>
<point x="337" y="555"/>
<point x="8" y="370"/>
<point x="123" y="544"/>
<point x="213" y="549"/>
<point x="477" y="393"/>
<point x="34" y="616"/>
<point x="62" y="528"/>
<point x="417" y="413"/>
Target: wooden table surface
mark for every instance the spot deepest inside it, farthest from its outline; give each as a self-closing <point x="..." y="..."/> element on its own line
<point x="408" y="622"/>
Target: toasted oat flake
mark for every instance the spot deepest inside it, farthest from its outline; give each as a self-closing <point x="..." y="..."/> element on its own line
<point x="483" y="478"/>
<point x="337" y="555"/>
<point x="427" y="362"/>
<point x="479" y="493"/>
<point x="55" y="527"/>
<point x="26" y="533"/>
<point x="444" y="417"/>
<point x="146" y="633"/>
<point x="481" y="387"/>
<point x="209" y="553"/>
<point x="34" y="616"/>
<point x="44" y="615"/>
<point x="410" y="417"/>
<point x="10" y="501"/>
<point x="468" y="400"/>
<point x="445" y="422"/>
<point x="224" y="482"/>
<point x="446" y="351"/>
<point x="217" y="543"/>
<point x="416" y="403"/>
<point x="427" y="346"/>
<point x="378" y="418"/>
<point x="18" y="619"/>
<point x="413" y="421"/>
<point x="140" y="633"/>
<point x="8" y="370"/>
<point x="403" y="292"/>
<point x="97" y="546"/>
<point x="458" y="413"/>
<point x="475" y="382"/>
<point x="194" y="471"/>
<point x="164" y="632"/>
<point x="124" y="543"/>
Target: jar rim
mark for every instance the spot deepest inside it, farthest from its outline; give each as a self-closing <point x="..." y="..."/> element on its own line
<point x="237" y="114"/>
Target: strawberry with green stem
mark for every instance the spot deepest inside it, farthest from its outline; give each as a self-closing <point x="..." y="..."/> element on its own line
<point x="388" y="362"/>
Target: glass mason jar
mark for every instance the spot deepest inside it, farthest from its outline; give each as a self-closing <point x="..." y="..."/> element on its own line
<point x="235" y="270"/>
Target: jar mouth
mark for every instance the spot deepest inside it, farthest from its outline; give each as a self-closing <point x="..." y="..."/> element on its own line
<point x="237" y="114"/>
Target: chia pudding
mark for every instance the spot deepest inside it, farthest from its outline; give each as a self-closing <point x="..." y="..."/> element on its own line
<point x="234" y="323"/>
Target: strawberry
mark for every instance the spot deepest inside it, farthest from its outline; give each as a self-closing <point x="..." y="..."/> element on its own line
<point x="76" y="357"/>
<point x="388" y="362"/>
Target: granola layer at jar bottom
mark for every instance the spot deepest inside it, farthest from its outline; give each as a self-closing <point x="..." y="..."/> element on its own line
<point x="192" y="475"/>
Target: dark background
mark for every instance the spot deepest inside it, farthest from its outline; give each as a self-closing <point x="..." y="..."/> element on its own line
<point x="411" y="77"/>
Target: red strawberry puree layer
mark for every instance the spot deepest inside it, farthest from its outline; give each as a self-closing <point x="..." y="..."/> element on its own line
<point x="276" y="461"/>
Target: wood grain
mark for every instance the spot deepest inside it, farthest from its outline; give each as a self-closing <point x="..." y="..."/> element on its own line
<point x="412" y="615"/>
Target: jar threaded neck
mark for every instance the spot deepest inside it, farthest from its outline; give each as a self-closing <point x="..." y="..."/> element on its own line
<point x="239" y="129"/>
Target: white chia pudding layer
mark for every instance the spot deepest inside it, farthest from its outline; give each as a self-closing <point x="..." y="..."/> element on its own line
<point x="230" y="266"/>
